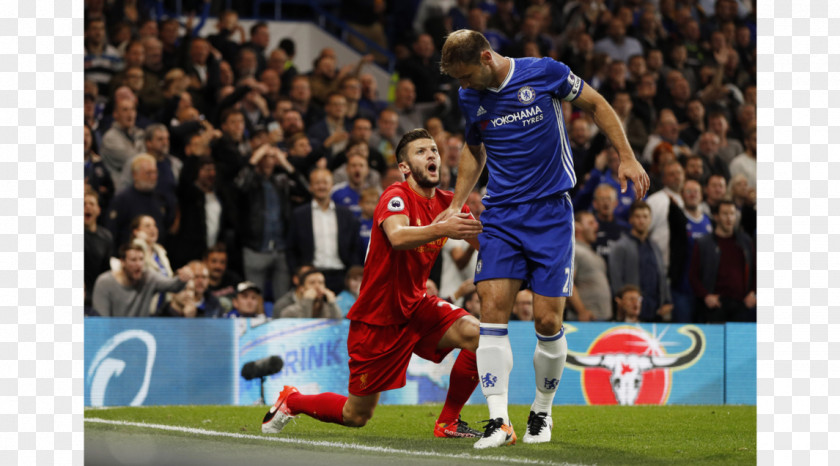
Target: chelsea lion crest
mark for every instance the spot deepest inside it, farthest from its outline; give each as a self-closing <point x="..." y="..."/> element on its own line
<point x="526" y="94"/>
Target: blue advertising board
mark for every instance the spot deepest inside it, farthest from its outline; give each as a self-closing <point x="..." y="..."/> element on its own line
<point x="740" y="364"/>
<point x="157" y="361"/>
<point x="176" y="361"/>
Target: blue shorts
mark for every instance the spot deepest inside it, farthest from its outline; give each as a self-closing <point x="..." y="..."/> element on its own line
<point x="534" y="241"/>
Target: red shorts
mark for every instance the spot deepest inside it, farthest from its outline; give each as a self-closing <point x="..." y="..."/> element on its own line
<point x="379" y="355"/>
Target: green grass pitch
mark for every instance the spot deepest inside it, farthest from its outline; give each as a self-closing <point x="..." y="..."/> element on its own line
<point x="604" y="435"/>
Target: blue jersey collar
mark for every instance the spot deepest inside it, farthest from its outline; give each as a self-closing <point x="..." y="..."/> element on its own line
<point x="507" y="78"/>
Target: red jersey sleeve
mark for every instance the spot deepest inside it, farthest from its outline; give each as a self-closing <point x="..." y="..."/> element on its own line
<point x="394" y="201"/>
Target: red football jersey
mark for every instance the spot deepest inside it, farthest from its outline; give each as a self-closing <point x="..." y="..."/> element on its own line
<point x="395" y="281"/>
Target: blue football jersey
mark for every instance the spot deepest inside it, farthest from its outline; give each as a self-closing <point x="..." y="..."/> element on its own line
<point x="522" y="128"/>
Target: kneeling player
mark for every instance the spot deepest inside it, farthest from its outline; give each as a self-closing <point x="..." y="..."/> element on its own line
<point x="393" y="317"/>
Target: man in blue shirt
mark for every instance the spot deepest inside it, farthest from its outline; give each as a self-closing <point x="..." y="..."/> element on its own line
<point x="514" y="124"/>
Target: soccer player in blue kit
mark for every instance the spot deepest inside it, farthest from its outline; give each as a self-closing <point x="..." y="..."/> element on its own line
<point x="514" y="124"/>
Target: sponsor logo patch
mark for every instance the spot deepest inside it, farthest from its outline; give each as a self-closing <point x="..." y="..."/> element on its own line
<point x="396" y="204"/>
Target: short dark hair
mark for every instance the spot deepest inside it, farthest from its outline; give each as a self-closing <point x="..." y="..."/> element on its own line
<point x="409" y="137"/>
<point x="462" y="47"/>
<point x="226" y="113"/>
<point x="725" y="201"/>
<point x="256" y="26"/>
<point x="636" y="206"/>
<point x="626" y="289"/>
<point x="218" y="247"/>
<point x="130" y="246"/>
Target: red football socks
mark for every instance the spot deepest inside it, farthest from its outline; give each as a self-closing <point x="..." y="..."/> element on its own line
<point x="462" y="382"/>
<point x="325" y="407"/>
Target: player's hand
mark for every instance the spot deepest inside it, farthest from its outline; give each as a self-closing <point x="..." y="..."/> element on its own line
<point x="446" y="214"/>
<point x="461" y="226"/>
<point x="632" y="170"/>
<point x="712" y="301"/>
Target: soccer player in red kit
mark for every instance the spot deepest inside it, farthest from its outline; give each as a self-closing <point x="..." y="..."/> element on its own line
<point x="393" y="317"/>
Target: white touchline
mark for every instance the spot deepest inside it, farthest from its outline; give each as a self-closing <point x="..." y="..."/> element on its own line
<point x="352" y="446"/>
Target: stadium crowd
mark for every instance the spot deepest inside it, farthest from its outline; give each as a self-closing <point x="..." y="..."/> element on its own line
<point x="221" y="182"/>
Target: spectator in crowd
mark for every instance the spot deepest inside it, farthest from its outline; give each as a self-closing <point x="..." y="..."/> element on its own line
<point x="728" y="147"/>
<point x="231" y="152"/>
<point x="644" y="101"/>
<point x="348" y="193"/>
<point x="628" y="302"/>
<point x="590" y="271"/>
<point x="140" y="199"/>
<point x="311" y="298"/>
<point x="352" y="285"/>
<point x="610" y="226"/>
<point x="616" y="81"/>
<point x="695" y="113"/>
<point x="145" y="84"/>
<point x="695" y="224"/>
<point x="422" y="69"/>
<point x="208" y="212"/>
<point x="203" y="68"/>
<point x="708" y="146"/>
<point x="636" y="260"/>
<point x="99" y="244"/>
<point x="694" y="168"/>
<point x="366" y="18"/>
<point x="333" y="131"/>
<point x="325" y="235"/>
<point x="153" y="59"/>
<point x="156" y="142"/>
<point x="351" y="88"/>
<point x="745" y="163"/>
<point x="617" y="45"/>
<point x="223" y="41"/>
<point x="362" y="130"/>
<point x="130" y="290"/>
<point x="523" y="306"/>
<point x="659" y="233"/>
<point x="385" y="139"/>
<point x="667" y="130"/>
<point x="248" y="302"/>
<point x="96" y="174"/>
<point x="367" y="201"/>
<point x="260" y="38"/>
<point x="580" y="140"/>
<point x="301" y="95"/>
<point x="222" y="280"/>
<point x="195" y="300"/>
<point x="266" y="186"/>
<point x="723" y="270"/>
<point x="605" y="172"/>
<point x="412" y="114"/>
<point x="301" y="155"/>
<point x="123" y="140"/>
<point x="713" y="192"/>
<point x="634" y="127"/>
<point x="370" y="95"/>
<point x="102" y="60"/>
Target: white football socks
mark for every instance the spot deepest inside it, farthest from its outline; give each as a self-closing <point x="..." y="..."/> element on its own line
<point x="549" y="361"/>
<point x="494" y="359"/>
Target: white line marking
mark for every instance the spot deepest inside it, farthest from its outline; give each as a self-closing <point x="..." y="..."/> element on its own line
<point x="342" y="445"/>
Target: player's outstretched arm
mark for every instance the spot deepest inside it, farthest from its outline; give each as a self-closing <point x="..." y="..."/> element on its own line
<point x="629" y="169"/>
<point x="404" y="236"/>
<point x="469" y="169"/>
